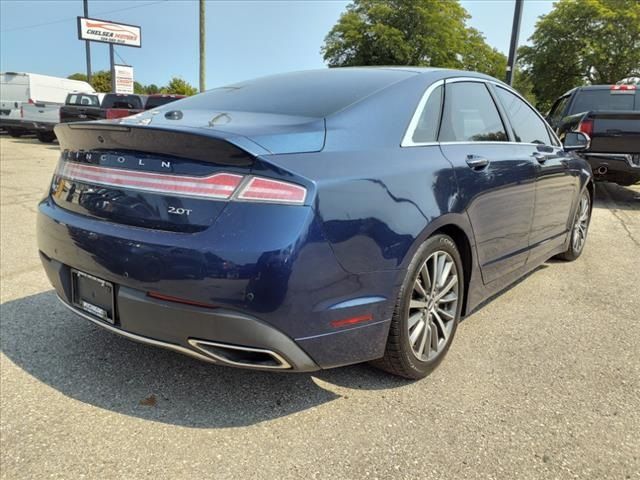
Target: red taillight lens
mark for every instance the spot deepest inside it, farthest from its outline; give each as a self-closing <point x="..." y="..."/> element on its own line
<point x="586" y="126"/>
<point x="111" y="114"/>
<point x="267" y="190"/>
<point x="220" y="186"/>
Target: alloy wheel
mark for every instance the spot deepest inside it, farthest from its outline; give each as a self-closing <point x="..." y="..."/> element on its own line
<point x="581" y="224"/>
<point x="433" y="306"/>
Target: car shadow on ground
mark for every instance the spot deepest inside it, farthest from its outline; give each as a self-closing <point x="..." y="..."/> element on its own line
<point x="93" y="366"/>
<point x="29" y="139"/>
<point x="611" y="195"/>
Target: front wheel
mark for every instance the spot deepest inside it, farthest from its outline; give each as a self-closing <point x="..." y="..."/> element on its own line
<point x="14" y="133"/>
<point x="427" y="310"/>
<point x="579" y="228"/>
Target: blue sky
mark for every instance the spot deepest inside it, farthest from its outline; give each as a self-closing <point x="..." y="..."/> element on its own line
<point x="245" y="38"/>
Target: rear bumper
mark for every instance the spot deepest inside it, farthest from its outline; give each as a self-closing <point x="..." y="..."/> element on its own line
<point x="182" y="328"/>
<point x="11" y="123"/>
<point x="618" y="168"/>
<point x="282" y="300"/>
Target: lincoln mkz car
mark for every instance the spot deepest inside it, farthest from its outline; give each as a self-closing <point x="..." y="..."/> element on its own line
<point x="311" y="220"/>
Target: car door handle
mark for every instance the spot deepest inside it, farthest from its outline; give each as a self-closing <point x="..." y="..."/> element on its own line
<point x="476" y="162"/>
<point x="540" y="157"/>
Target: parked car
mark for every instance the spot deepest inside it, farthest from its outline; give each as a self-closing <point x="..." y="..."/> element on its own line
<point x="100" y="106"/>
<point x="610" y="115"/>
<point x="40" y="95"/>
<point x="313" y="219"/>
<point x="159" y="99"/>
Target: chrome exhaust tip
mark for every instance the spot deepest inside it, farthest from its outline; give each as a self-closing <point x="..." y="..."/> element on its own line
<point x="239" y="356"/>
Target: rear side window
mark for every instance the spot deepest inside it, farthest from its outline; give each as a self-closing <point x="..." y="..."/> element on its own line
<point x="527" y="125"/>
<point x="470" y="115"/>
<point x="427" y="127"/>
<point x="557" y="111"/>
<point x="587" y="100"/>
<point x="80" y="99"/>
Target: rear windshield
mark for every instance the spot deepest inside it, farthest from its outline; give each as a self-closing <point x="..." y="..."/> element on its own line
<point x="315" y="93"/>
<point x="587" y="100"/>
<point x="132" y="102"/>
<point x="153" y="102"/>
<point x="82" y="99"/>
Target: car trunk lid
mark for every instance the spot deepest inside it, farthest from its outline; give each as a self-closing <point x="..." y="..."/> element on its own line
<point x="146" y="177"/>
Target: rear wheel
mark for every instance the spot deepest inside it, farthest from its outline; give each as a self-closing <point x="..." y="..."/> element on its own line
<point x="46" y="137"/>
<point x="579" y="229"/>
<point x="427" y="311"/>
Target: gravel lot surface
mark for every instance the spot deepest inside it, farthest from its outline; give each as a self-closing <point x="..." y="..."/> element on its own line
<point x="542" y="382"/>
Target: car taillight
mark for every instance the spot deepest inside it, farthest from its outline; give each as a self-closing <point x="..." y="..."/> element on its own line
<point x="111" y="114"/>
<point x="221" y="186"/>
<point x="267" y="190"/>
<point x="586" y="126"/>
<point x="623" y="88"/>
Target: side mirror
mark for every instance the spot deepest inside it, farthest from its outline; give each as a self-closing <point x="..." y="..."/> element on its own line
<point x="576" y="141"/>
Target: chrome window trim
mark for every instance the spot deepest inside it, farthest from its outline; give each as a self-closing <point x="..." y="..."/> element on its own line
<point x="407" y="139"/>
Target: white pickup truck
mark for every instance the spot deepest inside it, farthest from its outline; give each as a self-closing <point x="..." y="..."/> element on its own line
<point x="31" y="102"/>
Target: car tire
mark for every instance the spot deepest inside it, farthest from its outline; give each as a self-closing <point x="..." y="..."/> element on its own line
<point x="46" y="137"/>
<point x="579" y="228"/>
<point x="412" y="351"/>
<point x="14" y="133"/>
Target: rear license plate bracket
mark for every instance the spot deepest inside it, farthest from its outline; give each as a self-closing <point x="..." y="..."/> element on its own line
<point x="93" y="296"/>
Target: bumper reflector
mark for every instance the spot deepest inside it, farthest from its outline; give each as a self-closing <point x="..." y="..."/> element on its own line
<point x="351" y="321"/>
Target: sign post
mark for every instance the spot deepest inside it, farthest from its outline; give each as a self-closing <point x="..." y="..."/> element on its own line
<point x="122" y="34"/>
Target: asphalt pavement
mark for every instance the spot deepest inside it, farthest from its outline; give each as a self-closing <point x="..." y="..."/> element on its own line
<point x="542" y="382"/>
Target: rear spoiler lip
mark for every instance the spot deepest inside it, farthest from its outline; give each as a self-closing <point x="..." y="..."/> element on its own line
<point x="100" y="135"/>
<point x="187" y="143"/>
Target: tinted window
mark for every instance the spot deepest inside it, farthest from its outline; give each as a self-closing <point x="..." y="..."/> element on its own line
<point x="315" y="93"/>
<point x="153" y="102"/>
<point x="557" y="112"/>
<point x="470" y="115"/>
<point x="527" y="125"/>
<point x="604" y="100"/>
<point x="427" y="127"/>
<point x="132" y="102"/>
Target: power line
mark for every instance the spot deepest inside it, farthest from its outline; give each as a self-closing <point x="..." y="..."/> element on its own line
<point x="120" y="56"/>
<point x="62" y="20"/>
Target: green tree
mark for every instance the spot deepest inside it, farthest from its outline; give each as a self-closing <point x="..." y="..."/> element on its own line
<point x="582" y="42"/>
<point x="139" y="88"/>
<point x="100" y="81"/>
<point x="179" y="86"/>
<point x="152" y="88"/>
<point x="409" y="32"/>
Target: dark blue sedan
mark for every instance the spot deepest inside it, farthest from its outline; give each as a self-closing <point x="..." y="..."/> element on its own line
<point x="311" y="220"/>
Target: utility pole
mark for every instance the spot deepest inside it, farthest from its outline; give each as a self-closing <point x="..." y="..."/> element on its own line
<point x="87" y="43"/>
<point x="113" y="68"/>
<point x="513" y="47"/>
<point x="202" y="47"/>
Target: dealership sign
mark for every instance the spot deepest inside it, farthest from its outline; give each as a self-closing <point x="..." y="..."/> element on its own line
<point x="96" y="30"/>
<point x="124" y="78"/>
